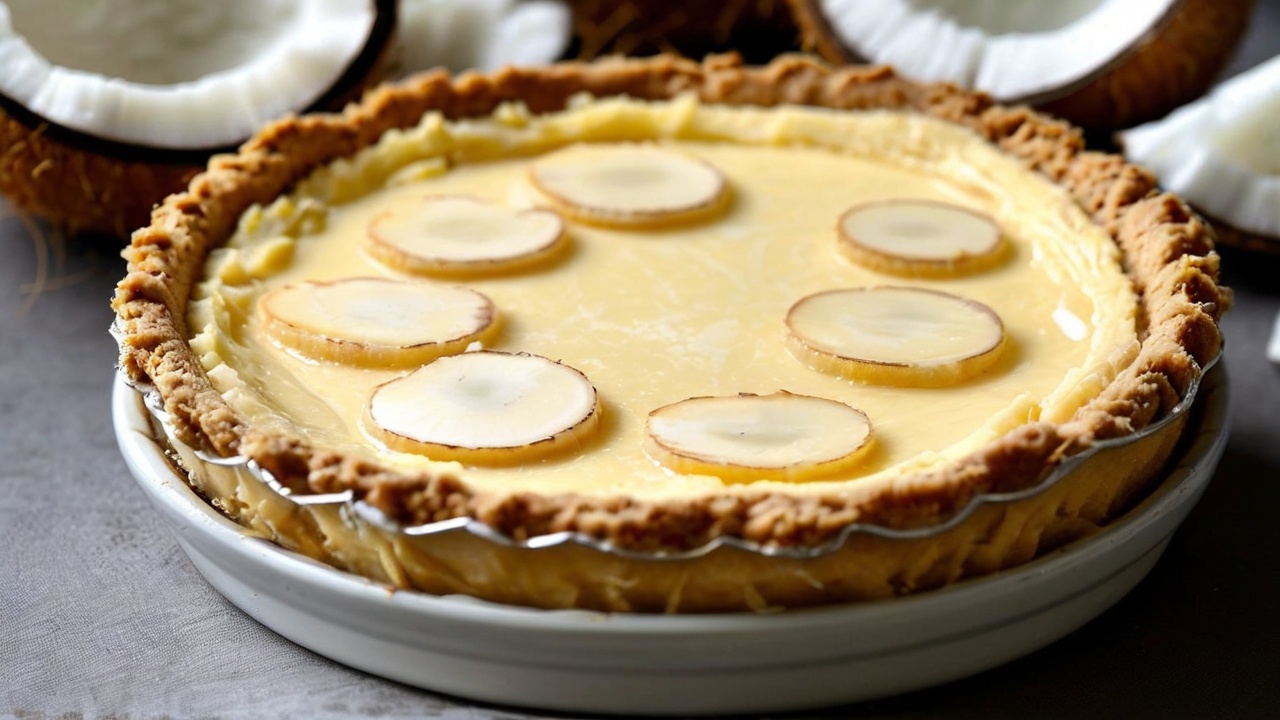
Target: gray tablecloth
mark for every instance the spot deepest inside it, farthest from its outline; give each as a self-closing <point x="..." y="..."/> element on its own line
<point x="101" y="615"/>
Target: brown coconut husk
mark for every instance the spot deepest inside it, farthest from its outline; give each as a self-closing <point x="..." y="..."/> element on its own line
<point x="758" y="30"/>
<point x="1232" y="236"/>
<point x="81" y="192"/>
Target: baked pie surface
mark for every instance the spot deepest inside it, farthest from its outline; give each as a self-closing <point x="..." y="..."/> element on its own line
<point x="1121" y="335"/>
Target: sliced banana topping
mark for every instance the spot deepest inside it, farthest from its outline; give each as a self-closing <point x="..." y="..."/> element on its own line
<point x="758" y="437"/>
<point x="629" y="185"/>
<point x="485" y="408"/>
<point x="919" y="238"/>
<point x="376" y="321"/>
<point x="895" y="335"/>
<point x="459" y="235"/>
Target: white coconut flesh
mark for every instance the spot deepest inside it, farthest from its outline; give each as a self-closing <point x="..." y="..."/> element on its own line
<point x="1024" y="51"/>
<point x="179" y="74"/>
<point x="1222" y="152"/>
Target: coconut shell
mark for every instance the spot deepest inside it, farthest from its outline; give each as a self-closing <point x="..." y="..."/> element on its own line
<point x="816" y="33"/>
<point x="1177" y="63"/>
<point x="758" y="30"/>
<point x="1231" y="236"/>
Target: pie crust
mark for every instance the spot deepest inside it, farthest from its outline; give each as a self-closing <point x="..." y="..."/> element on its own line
<point x="618" y="565"/>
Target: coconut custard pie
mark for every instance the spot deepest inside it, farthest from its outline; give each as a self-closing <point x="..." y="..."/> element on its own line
<point x="700" y="319"/>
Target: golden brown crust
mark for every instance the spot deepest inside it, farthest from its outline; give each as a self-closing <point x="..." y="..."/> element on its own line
<point x="1167" y="251"/>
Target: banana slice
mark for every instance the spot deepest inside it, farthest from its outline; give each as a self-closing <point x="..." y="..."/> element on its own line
<point x="485" y="408"/>
<point x="919" y="238"/>
<point x="895" y="335"/>
<point x="376" y="321"/>
<point x="460" y="235"/>
<point x="758" y="437"/>
<point x="629" y="185"/>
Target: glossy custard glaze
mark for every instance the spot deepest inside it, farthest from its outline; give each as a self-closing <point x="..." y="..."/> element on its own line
<point x="657" y="315"/>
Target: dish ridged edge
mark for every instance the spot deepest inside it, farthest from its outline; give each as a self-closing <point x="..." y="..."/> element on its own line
<point x="346" y="499"/>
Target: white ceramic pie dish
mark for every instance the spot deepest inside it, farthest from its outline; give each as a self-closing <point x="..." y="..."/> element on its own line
<point x="592" y="662"/>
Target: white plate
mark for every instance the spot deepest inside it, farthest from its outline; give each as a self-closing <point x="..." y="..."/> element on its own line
<point x="677" y="665"/>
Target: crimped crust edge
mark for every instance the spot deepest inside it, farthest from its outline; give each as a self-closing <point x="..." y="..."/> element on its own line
<point x="1167" y="250"/>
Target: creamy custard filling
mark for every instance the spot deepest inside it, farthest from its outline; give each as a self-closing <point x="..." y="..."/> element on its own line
<point x="655" y="316"/>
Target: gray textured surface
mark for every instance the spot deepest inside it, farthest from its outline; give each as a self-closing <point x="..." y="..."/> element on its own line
<point x="101" y="615"/>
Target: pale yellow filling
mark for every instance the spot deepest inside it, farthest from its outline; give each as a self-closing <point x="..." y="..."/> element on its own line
<point x="659" y="315"/>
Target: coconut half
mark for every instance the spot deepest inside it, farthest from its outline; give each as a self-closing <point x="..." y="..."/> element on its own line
<point x="1222" y="153"/>
<point x="1100" y="63"/>
<point x="180" y="75"/>
<point x="107" y="106"/>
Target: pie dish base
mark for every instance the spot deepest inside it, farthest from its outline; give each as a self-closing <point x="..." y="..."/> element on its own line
<point x="581" y="661"/>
